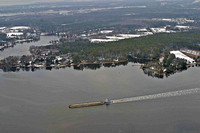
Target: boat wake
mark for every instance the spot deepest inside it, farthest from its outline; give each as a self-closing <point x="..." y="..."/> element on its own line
<point x="159" y="95"/>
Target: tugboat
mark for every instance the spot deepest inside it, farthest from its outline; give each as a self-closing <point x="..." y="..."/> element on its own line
<point x="107" y="102"/>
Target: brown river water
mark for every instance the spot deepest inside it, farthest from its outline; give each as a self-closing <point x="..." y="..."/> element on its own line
<point x="37" y="102"/>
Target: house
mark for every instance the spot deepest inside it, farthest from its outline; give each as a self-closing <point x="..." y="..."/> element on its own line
<point x="14" y="34"/>
<point x="180" y="55"/>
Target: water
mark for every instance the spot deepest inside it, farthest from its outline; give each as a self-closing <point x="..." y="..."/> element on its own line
<point x="156" y="96"/>
<point x="38" y="101"/>
<point x="23" y="49"/>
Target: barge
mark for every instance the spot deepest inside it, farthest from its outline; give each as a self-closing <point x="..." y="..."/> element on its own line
<point x="81" y="105"/>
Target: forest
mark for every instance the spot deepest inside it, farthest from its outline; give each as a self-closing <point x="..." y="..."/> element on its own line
<point x="144" y="47"/>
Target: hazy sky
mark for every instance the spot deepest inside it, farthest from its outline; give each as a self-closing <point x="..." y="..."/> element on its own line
<point x="22" y="2"/>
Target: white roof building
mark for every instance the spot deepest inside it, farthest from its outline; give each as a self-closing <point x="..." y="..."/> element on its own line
<point x="158" y="30"/>
<point x="2" y="28"/>
<point x="182" y="27"/>
<point x="180" y="55"/>
<point x="14" y="34"/>
<point x="106" y="31"/>
<point x="20" y="28"/>
<point x="142" y="30"/>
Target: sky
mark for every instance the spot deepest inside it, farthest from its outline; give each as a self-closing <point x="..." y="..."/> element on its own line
<point x="22" y="2"/>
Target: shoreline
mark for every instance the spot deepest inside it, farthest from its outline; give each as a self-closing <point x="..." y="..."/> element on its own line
<point x="94" y="66"/>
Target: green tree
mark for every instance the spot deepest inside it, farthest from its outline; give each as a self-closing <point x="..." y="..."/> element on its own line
<point x="76" y="59"/>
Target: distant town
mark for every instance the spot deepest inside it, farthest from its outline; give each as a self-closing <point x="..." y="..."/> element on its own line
<point x="18" y="34"/>
<point x="71" y="49"/>
<point x="172" y="62"/>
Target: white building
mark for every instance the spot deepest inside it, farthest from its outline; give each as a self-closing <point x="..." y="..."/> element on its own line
<point x="158" y="30"/>
<point x="106" y="31"/>
<point x="2" y="29"/>
<point x="180" y="55"/>
<point x="14" y="34"/>
<point x="142" y="30"/>
<point x="193" y="52"/>
<point x="182" y="27"/>
<point x="20" y="28"/>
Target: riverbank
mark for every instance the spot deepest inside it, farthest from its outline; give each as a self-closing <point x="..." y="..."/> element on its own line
<point x="172" y="62"/>
<point x="23" y="48"/>
<point x="6" y="45"/>
<point x="77" y="66"/>
<point x="169" y="64"/>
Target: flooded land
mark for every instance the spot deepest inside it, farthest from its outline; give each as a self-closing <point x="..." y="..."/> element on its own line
<point x="23" y="49"/>
<point x="138" y="59"/>
<point x="38" y="101"/>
